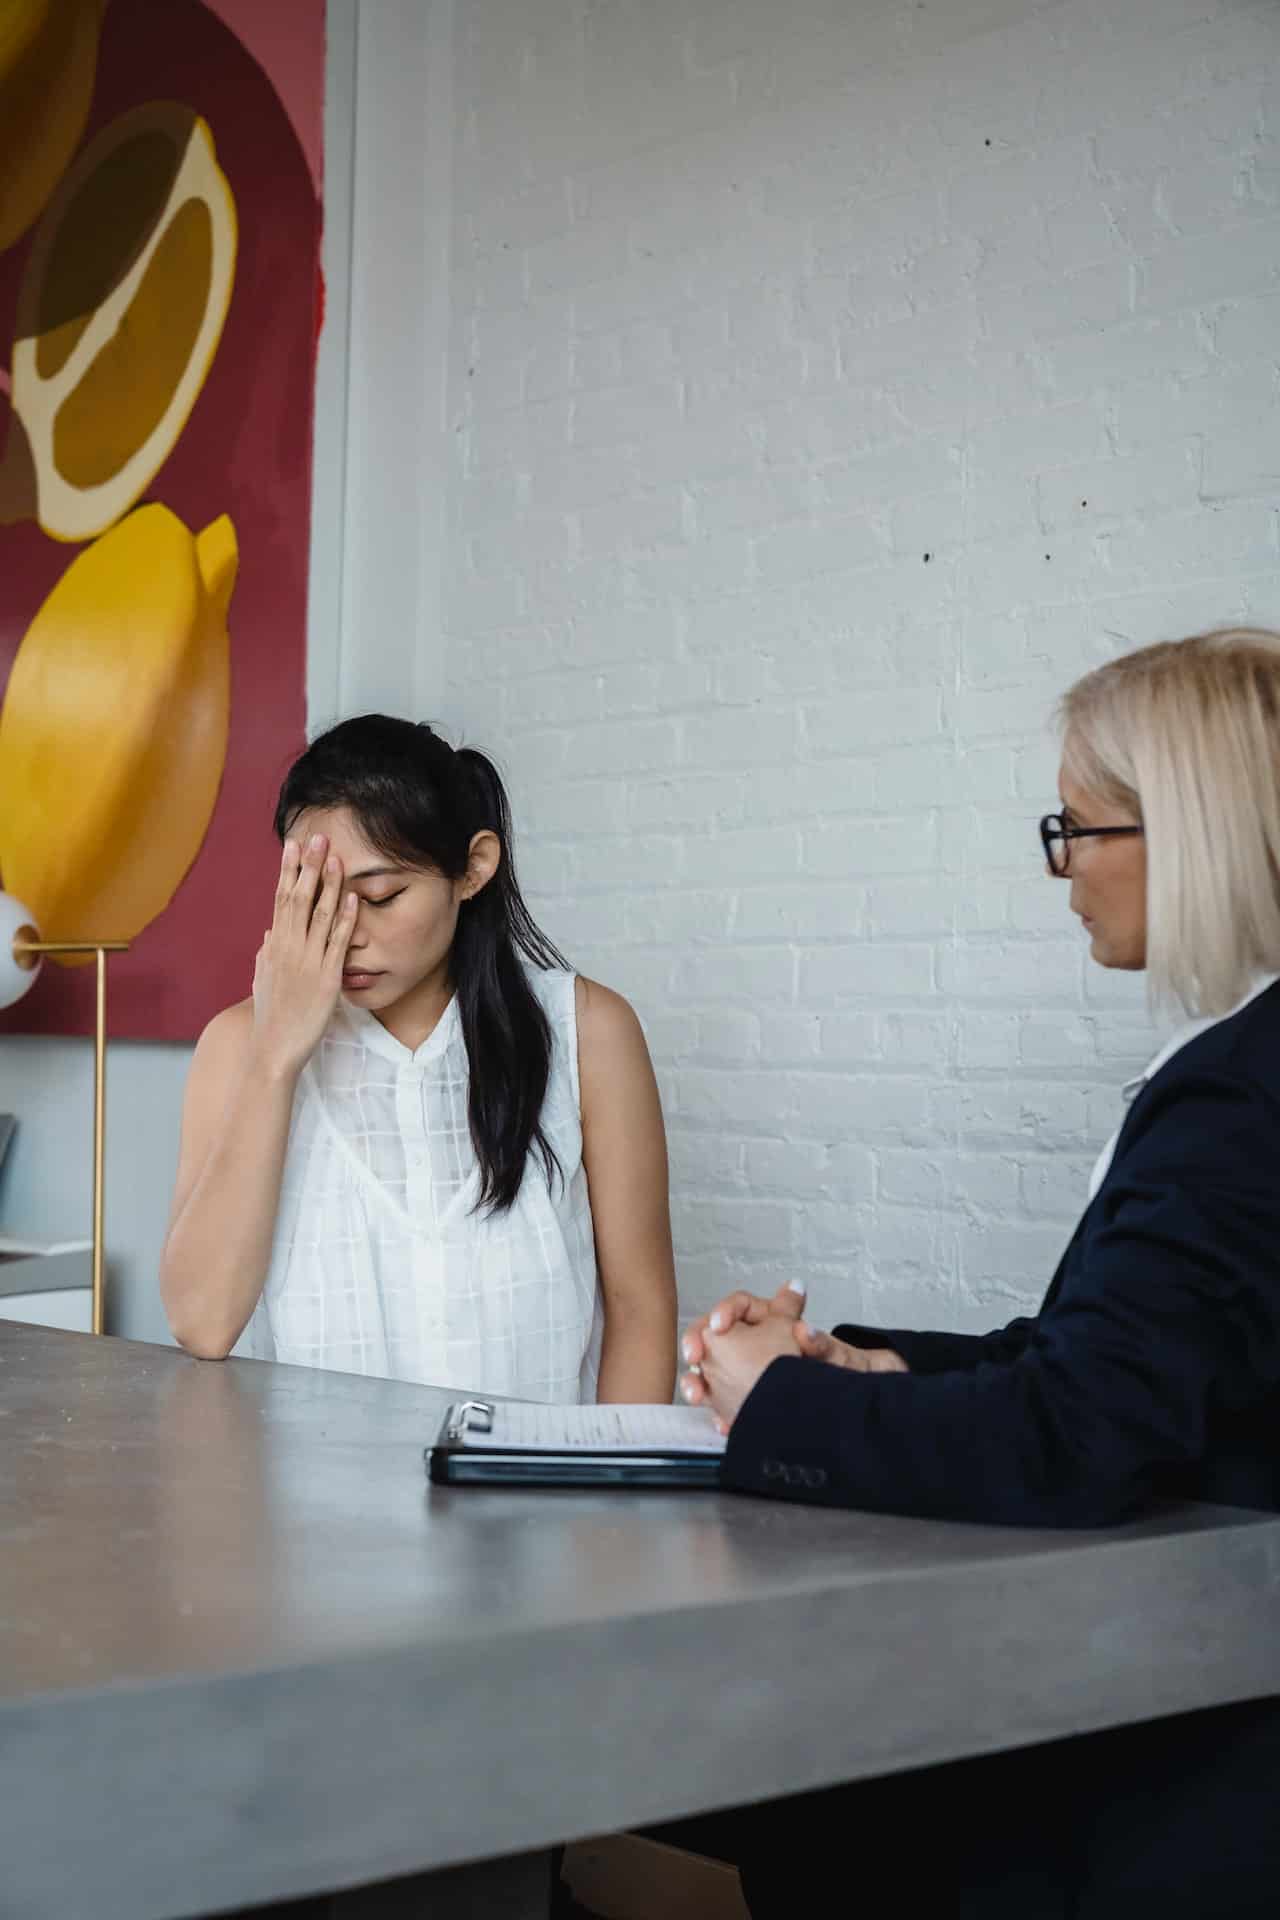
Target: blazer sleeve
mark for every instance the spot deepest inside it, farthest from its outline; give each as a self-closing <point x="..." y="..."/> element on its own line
<point x="943" y="1352"/>
<point x="1172" y="1307"/>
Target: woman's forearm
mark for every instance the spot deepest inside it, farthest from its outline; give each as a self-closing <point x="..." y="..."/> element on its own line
<point x="218" y="1249"/>
<point x="638" y="1358"/>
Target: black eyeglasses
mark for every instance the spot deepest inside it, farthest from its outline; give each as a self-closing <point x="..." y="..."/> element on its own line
<point x="1056" y="837"/>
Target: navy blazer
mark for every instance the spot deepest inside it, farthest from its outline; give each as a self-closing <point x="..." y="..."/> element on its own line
<point x="1151" y="1370"/>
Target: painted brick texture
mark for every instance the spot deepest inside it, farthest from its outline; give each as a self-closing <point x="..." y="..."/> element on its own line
<point x="828" y="386"/>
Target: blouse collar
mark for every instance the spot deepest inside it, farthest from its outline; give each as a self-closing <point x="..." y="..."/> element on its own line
<point x="378" y="1040"/>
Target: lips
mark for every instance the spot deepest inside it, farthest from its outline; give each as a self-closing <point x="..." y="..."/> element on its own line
<point x="356" y="977"/>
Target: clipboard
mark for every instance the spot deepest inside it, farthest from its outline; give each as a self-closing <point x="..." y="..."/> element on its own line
<point x="486" y="1443"/>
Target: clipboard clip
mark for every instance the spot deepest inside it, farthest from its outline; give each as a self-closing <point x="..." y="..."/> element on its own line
<point x="469" y="1416"/>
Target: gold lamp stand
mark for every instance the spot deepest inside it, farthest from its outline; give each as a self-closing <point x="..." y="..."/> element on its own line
<point x="27" y="950"/>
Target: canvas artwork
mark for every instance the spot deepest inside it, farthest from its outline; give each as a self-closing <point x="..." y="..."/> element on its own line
<point x="160" y="299"/>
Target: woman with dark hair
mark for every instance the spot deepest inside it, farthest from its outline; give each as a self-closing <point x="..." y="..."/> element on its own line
<point x="423" y="1149"/>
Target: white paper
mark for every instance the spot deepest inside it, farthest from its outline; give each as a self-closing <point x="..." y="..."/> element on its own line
<point x="595" y="1429"/>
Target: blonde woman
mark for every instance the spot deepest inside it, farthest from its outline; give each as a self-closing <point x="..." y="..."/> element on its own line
<point x="1153" y="1366"/>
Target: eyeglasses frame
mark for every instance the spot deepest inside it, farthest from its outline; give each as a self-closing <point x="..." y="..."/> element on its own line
<point x="1053" y="827"/>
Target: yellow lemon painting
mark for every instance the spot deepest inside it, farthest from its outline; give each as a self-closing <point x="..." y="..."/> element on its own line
<point x="121" y="309"/>
<point x="48" y="57"/>
<point x="136" y="629"/>
<point x="159" y="305"/>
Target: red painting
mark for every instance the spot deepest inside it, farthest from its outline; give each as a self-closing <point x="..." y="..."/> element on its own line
<point x="160" y="221"/>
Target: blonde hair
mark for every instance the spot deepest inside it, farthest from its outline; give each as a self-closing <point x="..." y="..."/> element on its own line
<point x="1185" y="735"/>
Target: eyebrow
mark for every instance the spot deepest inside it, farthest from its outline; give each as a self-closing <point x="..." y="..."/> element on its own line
<point x="374" y="873"/>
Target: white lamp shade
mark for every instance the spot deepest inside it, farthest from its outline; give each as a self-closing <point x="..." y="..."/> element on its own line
<point x="15" y="980"/>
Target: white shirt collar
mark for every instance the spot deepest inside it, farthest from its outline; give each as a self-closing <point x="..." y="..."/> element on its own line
<point x="376" y="1037"/>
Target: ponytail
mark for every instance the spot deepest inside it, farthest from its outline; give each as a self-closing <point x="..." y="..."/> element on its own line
<point x="505" y="1028"/>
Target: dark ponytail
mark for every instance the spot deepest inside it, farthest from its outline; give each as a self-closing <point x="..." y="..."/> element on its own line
<point x="420" y="803"/>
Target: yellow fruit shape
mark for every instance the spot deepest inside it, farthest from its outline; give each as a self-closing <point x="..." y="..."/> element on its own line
<point x="48" y="58"/>
<point x="113" y="732"/>
<point x="119" y="316"/>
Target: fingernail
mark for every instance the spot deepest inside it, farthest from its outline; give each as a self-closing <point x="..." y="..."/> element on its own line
<point x="686" y="1388"/>
<point x="716" y="1323"/>
<point x="351" y="901"/>
<point x="331" y="865"/>
<point x="686" y="1350"/>
<point x="797" y="1286"/>
<point x="316" y="842"/>
<point x="291" y="848"/>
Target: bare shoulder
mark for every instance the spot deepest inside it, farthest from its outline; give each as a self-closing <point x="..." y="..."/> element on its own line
<point x="621" y="1110"/>
<point x="229" y="1028"/>
<point x="605" y="1019"/>
<point x="225" y="1040"/>
<point x="612" y="1053"/>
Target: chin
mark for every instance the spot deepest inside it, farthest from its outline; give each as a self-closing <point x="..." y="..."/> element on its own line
<point x="380" y="994"/>
<point x="1116" y="962"/>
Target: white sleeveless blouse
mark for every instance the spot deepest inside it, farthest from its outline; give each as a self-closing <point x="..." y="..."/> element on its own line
<point x="381" y="1263"/>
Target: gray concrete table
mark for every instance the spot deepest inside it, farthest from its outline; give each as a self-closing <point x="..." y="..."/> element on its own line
<point x="247" y="1653"/>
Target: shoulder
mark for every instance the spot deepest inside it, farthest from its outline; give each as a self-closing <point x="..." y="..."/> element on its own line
<point x="1244" y="1048"/>
<point x="613" y="1059"/>
<point x="216" y="1065"/>
<point x="1205" y="1118"/>
<point x="222" y="1046"/>
<point x="600" y="1015"/>
<point x="228" y="1031"/>
<point x="619" y="1089"/>
<point x="605" y="1019"/>
<point x="1249" y="1040"/>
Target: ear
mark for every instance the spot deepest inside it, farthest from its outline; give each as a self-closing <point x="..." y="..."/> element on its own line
<point x="483" y="860"/>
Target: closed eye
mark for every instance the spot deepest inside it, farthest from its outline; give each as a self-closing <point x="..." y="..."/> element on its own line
<point x="386" y="899"/>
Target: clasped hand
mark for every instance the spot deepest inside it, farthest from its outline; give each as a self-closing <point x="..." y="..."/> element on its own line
<point x="728" y="1349"/>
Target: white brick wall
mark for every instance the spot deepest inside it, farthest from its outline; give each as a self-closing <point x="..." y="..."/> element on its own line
<point x="830" y="383"/>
